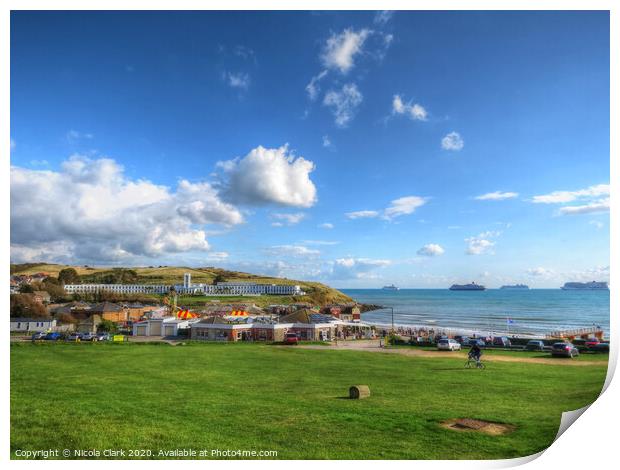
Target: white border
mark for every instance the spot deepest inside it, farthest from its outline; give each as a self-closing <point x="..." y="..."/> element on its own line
<point x="591" y="442"/>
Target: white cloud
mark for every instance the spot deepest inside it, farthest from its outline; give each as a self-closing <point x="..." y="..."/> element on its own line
<point x="340" y="50"/>
<point x="362" y="214"/>
<point x="403" y="206"/>
<point x="326" y="225"/>
<point x="326" y="141"/>
<point x="414" y="111"/>
<point x="73" y="136"/>
<point x="355" y="268"/>
<point x="594" y="207"/>
<point x="540" y="272"/>
<point x="496" y="196"/>
<point x="382" y="17"/>
<point x="90" y="210"/>
<point x="452" y="141"/>
<point x="266" y="176"/>
<point x="398" y="207"/>
<point x="481" y="244"/>
<point x="599" y="225"/>
<point x="557" y="197"/>
<point x="432" y="249"/>
<point x="293" y="250"/>
<point x="290" y="219"/>
<point x="344" y="103"/>
<point x="313" y="87"/>
<point x="237" y="80"/>
<point x="13" y="145"/>
<point x="320" y="242"/>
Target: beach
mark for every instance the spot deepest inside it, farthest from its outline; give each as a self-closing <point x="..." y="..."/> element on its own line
<point x="517" y="313"/>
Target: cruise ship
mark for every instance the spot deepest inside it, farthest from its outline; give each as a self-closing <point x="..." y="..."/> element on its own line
<point x="516" y="286"/>
<point x="585" y="286"/>
<point x="390" y="287"/>
<point x="471" y="286"/>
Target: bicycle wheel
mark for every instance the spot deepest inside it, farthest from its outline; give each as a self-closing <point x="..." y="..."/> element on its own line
<point x="468" y="365"/>
<point x="480" y="365"/>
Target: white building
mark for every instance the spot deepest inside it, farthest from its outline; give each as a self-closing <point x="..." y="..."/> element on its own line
<point x="33" y="324"/>
<point x="168" y="326"/>
<point x="221" y="288"/>
<point x="116" y="288"/>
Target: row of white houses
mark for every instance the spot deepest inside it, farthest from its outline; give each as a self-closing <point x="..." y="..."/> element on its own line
<point x="221" y="288"/>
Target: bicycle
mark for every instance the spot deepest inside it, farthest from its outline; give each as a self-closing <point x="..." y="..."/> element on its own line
<point x="474" y="362"/>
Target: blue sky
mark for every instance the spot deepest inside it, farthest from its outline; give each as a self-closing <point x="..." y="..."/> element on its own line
<point x="355" y="148"/>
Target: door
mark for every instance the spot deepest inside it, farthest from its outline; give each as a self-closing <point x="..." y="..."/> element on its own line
<point x="141" y="330"/>
<point x="155" y="328"/>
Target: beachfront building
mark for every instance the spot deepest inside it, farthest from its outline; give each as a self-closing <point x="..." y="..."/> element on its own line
<point x="221" y="288"/>
<point x="33" y="324"/>
<point x="117" y="288"/>
<point x="250" y="288"/>
<point x="247" y="329"/>
<point x="168" y="326"/>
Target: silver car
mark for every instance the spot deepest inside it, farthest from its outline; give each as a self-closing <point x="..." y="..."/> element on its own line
<point x="448" y="344"/>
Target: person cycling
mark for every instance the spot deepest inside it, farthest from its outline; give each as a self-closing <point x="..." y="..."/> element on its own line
<point x="475" y="352"/>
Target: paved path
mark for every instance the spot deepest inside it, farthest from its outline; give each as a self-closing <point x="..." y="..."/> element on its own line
<point x="373" y="346"/>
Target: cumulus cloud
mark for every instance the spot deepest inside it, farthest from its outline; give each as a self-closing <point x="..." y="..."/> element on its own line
<point x="355" y="268"/>
<point x="481" y="244"/>
<point x="313" y="88"/>
<point x="432" y="249"/>
<point x="237" y="80"/>
<point x="362" y="214"/>
<point x="90" y="210"/>
<point x="415" y="111"/>
<point x="289" y="219"/>
<point x="557" y="197"/>
<point x="496" y="196"/>
<point x="340" y="50"/>
<point x="326" y="225"/>
<point x="452" y="141"/>
<point x="269" y="176"/>
<point x="343" y="103"/>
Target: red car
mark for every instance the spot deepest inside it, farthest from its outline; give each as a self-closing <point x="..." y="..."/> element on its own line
<point x="590" y="343"/>
<point x="291" y="338"/>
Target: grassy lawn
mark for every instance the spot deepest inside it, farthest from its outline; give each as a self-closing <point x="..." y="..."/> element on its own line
<point x="249" y="396"/>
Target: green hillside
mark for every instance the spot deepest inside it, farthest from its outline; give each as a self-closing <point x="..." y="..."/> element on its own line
<point x="317" y="293"/>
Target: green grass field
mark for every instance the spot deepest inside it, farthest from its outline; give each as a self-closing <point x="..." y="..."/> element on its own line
<point x="259" y="397"/>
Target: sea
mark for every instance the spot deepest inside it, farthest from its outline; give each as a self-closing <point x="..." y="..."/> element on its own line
<point x="533" y="312"/>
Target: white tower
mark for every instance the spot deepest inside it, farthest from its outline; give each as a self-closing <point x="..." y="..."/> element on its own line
<point x="187" y="280"/>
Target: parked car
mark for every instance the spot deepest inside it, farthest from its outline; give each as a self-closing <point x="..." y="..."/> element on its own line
<point x="591" y="342"/>
<point x="74" y="337"/>
<point x="103" y="336"/>
<point x="535" y="345"/>
<point x="37" y="336"/>
<point x="501" y="341"/>
<point x="601" y="347"/>
<point x="291" y="338"/>
<point x="52" y="336"/>
<point x="564" y="350"/>
<point x="89" y="337"/>
<point x="472" y="341"/>
<point x="448" y="345"/>
<point x="464" y="340"/>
